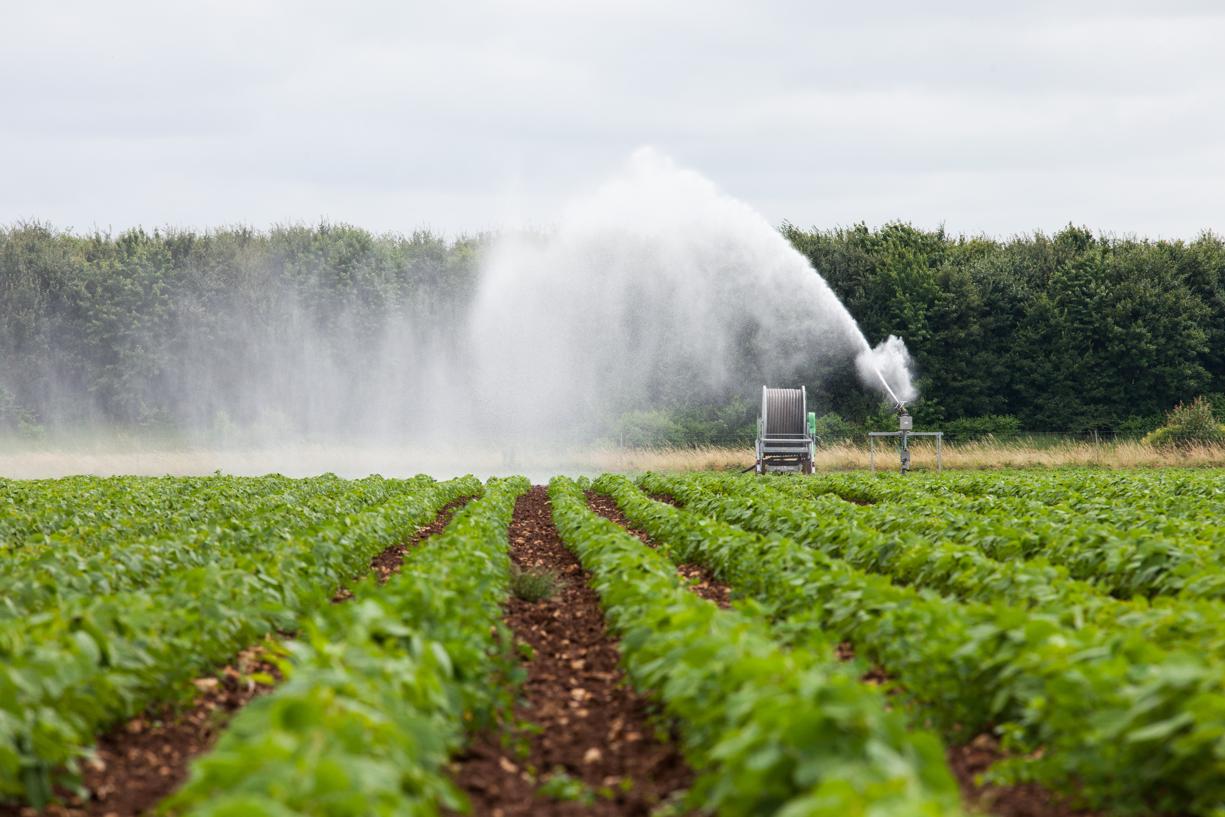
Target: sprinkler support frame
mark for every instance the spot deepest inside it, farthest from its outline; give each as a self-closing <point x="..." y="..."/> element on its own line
<point x="904" y="433"/>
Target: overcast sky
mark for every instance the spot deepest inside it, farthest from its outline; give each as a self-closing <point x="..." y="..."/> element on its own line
<point x="469" y="116"/>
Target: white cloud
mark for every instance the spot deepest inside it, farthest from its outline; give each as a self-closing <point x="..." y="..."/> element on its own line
<point x="465" y="116"/>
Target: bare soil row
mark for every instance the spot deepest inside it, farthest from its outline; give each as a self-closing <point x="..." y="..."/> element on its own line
<point x="577" y="716"/>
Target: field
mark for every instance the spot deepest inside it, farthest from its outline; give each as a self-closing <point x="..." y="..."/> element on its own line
<point x="1002" y="642"/>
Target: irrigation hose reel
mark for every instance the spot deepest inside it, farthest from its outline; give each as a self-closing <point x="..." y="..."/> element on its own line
<point x="786" y="431"/>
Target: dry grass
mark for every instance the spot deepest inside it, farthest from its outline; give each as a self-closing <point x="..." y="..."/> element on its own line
<point x="696" y="458"/>
<point x="978" y="455"/>
<point x="539" y="464"/>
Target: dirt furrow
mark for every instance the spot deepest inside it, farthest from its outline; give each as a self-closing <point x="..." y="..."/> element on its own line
<point x="137" y="764"/>
<point x="967" y="762"/>
<point x="590" y="748"/>
<point x="1020" y="800"/>
<point x="701" y="580"/>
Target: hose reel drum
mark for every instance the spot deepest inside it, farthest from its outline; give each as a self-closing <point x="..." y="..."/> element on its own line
<point x="786" y="438"/>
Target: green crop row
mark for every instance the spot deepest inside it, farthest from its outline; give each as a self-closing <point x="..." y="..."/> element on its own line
<point x="1174" y="515"/>
<point x="380" y="690"/>
<point x="1164" y="506"/>
<point x="1180" y="490"/>
<point x="1180" y="505"/>
<point x="199" y="532"/>
<point x="1127" y="552"/>
<point x="67" y="672"/>
<point x="68" y="511"/>
<point x="1105" y="714"/>
<point x="961" y="571"/>
<point x="770" y="730"/>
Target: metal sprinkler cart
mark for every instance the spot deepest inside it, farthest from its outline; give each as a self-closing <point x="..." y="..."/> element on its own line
<point x="904" y="433"/>
<point x="786" y="432"/>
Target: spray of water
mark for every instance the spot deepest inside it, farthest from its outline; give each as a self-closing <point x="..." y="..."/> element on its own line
<point x="888" y="362"/>
<point x="658" y="286"/>
<point x="655" y="290"/>
<point x="885" y="383"/>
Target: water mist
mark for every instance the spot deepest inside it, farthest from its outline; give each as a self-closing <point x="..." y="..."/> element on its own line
<point x="655" y="291"/>
<point x="655" y="287"/>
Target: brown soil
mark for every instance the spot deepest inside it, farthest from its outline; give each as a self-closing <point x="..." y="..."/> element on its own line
<point x="1021" y="800"/>
<point x="390" y="559"/>
<point x="585" y="719"/>
<point x="875" y="675"/>
<point x="701" y="580"/>
<point x="137" y="764"/>
<point x="976" y="757"/>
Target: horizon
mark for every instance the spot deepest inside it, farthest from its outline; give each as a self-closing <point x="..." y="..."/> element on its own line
<point x="451" y="238"/>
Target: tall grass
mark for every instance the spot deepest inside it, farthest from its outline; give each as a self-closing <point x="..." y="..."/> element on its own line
<point x="974" y="455"/>
<point x="541" y="463"/>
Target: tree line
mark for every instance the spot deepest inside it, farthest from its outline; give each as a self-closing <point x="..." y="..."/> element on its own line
<point x="169" y="328"/>
<point x="1074" y="331"/>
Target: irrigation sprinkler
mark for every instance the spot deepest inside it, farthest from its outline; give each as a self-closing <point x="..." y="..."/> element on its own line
<point x="905" y="431"/>
<point x="787" y="432"/>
